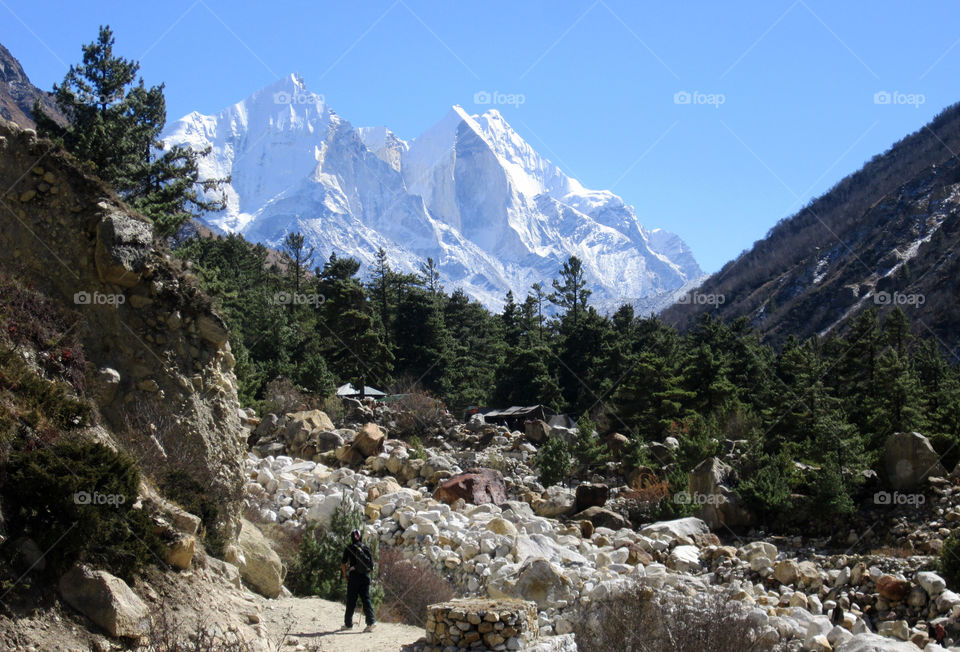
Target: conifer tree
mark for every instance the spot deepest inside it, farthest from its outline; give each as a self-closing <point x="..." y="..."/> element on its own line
<point x="422" y="341"/>
<point x="114" y="123"/>
<point x="430" y="277"/>
<point x="570" y="290"/>
<point x="353" y="347"/>
<point x="538" y="296"/>
<point x="300" y="255"/>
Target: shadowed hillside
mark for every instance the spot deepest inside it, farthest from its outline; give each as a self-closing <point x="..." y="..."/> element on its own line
<point x="883" y="236"/>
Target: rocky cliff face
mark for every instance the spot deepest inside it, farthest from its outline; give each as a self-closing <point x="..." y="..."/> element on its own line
<point x="161" y="368"/>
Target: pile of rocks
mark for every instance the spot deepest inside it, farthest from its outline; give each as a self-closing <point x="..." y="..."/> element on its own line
<point x="499" y="537"/>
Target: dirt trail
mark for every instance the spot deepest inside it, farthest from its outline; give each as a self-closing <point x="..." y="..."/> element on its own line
<point x="312" y="624"/>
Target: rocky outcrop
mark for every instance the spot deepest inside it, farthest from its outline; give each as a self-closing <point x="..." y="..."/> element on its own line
<point x="123" y="249"/>
<point x="601" y="517"/>
<point x="719" y="504"/>
<point x="106" y="600"/>
<point x="260" y="567"/>
<point x="688" y="527"/>
<point x="892" y="588"/>
<point x="555" y="502"/>
<point x="369" y="440"/>
<point x="592" y="495"/>
<point x="162" y="367"/>
<point x="867" y="642"/>
<point x="616" y="443"/>
<point x="537" y="430"/>
<point x="538" y="580"/>
<point x="909" y="459"/>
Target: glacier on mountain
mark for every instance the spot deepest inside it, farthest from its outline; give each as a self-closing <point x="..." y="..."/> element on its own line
<point x="469" y="192"/>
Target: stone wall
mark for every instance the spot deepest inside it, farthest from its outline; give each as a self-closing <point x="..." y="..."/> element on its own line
<point x="161" y="368"/>
<point x="486" y="624"/>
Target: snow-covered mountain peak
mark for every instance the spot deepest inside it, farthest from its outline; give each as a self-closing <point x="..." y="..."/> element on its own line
<point x="388" y="147"/>
<point x="469" y="192"/>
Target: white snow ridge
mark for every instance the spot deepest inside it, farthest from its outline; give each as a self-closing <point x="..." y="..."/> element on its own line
<point x="468" y="192"/>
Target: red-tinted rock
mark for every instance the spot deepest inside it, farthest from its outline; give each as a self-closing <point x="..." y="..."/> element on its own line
<point x="592" y="495"/>
<point x="477" y="486"/>
<point x="892" y="588"/>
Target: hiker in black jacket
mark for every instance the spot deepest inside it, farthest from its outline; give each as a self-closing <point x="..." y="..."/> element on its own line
<point x="356" y="565"/>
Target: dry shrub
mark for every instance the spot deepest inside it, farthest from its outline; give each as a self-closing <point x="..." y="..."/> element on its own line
<point x="172" y="631"/>
<point x="419" y="414"/>
<point x="409" y="586"/>
<point x="282" y="396"/>
<point x="643" y="619"/>
<point x="333" y="407"/>
<point x="31" y="320"/>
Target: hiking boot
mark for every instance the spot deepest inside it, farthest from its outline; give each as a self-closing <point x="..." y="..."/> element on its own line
<point x="345" y="628"/>
<point x="370" y="627"/>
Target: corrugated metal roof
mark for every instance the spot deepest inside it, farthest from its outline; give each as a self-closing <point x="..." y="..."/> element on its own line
<point x="348" y="390"/>
<point x="517" y="411"/>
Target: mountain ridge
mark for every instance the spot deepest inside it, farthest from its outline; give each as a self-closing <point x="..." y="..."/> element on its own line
<point x="469" y="192"/>
<point x="18" y="94"/>
<point x="881" y="235"/>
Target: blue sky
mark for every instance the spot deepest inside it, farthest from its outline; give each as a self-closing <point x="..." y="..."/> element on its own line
<point x="777" y="100"/>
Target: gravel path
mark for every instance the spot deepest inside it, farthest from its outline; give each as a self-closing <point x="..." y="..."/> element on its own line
<point x="312" y="624"/>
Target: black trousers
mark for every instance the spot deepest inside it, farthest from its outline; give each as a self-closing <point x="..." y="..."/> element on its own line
<point x="358" y="585"/>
